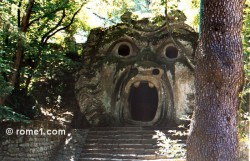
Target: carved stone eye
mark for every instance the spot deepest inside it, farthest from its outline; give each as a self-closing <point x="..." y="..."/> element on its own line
<point x="123" y="49"/>
<point x="171" y="52"/>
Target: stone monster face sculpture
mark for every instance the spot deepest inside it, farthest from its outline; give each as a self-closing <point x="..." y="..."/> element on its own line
<point x="139" y="74"/>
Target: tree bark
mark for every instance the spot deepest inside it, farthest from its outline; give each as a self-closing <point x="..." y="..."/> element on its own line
<point x="218" y="81"/>
<point x="2" y="100"/>
<point x="23" y="27"/>
<point x="166" y="10"/>
<point x="20" y="44"/>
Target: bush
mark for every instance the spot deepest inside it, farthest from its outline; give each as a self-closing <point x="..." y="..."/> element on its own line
<point x="7" y="114"/>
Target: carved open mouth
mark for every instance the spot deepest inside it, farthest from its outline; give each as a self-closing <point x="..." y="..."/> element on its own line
<point x="143" y="101"/>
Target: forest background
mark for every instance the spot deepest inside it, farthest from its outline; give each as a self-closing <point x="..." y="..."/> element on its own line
<point x="41" y="40"/>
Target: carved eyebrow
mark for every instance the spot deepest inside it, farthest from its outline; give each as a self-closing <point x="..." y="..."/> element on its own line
<point x="115" y="42"/>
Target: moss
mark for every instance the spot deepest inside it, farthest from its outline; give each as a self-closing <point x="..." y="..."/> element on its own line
<point x="100" y="37"/>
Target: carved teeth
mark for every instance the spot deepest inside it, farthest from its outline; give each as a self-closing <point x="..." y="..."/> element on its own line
<point x="151" y="85"/>
<point x="136" y="84"/>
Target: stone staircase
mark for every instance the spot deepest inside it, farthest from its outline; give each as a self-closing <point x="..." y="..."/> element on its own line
<point x="123" y="144"/>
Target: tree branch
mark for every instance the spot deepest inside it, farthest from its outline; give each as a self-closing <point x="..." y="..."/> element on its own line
<point x="19" y="14"/>
<point x="26" y="18"/>
<point x="49" y="13"/>
<point x="44" y="38"/>
<point x="102" y="17"/>
<point x="65" y="27"/>
<point x="166" y="10"/>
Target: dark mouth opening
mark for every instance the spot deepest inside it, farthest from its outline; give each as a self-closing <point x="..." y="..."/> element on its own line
<point x="143" y="102"/>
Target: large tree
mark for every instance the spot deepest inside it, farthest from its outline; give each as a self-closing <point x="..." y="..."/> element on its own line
<point x="27" y="28"/>
<point x="218" y="82"/>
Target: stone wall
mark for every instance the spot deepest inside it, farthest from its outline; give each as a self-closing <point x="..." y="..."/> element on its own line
<point x="72" y="147"/>
<point x="30" y="142"/>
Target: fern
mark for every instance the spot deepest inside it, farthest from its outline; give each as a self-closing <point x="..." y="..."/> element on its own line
<point x="7" y="114"/>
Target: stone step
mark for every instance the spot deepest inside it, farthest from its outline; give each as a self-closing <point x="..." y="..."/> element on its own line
<point x="138" y="132"/>
<point x="130" y="136"/>
<point x="132" y="128"/>
<point x="123" y="143"/>
<point x="123" y="146"/>
<point x="120" y="151"/>
<point x="98" y="156"/>
<point x="118" y="159"/>
<point x="123" y="156"/>
<point x="126" y="141"/>
<point x="72" y="146"/>
<point x="115" y="145"/>
<point x="107" y="133"/>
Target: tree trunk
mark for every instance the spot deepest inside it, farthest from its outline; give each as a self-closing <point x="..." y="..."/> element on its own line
<point x="218" y="81"/>
<point x="166" y="10"/>
<point x="17" y="62"/>
<point x="20" y="44"/>
<point x="2" y="101"/>
<point x="23" y="27"/>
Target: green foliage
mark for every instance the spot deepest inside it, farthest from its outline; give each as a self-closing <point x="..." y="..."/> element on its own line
<point x="173" y="148"/>
<point x="112" y="13"/>
<point x="5" y="87"/>
<point x="196" y="3"/>
<point x="196" y="20"/>
<point x="44" y="45"/>
<point x="7" y="114"/>
<point x="50" y="34"/>
<point x="246" y="46"/>
<point x="243" y="133"/>
<point x="243" y="121"/>
<point x="170" y="148"/>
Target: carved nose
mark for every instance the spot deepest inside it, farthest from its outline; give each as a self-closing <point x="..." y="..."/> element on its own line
<point x="134" y="71"/>
<point x="143" y="71"/>
<point x="155" y="71"/>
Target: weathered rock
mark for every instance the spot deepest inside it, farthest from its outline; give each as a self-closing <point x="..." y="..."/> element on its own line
<point x="137" y="74"/>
